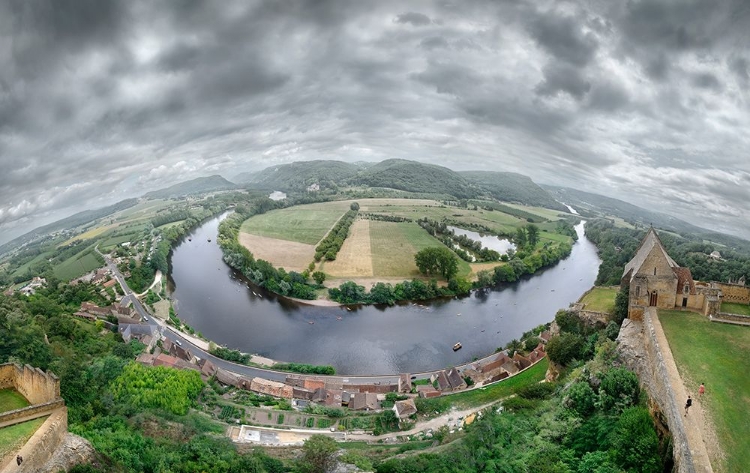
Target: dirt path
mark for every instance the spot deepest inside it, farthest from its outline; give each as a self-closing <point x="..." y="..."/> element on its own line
<point x="701" y="438"/>
<point x="157" y="279"/>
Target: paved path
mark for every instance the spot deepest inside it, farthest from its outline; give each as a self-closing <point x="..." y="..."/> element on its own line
<point x="694" y="422"/>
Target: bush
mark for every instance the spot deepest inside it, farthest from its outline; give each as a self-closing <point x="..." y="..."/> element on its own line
<point x="536" y="391"/>
<point x="581" y="398"/>
<point x="618" y="390"/>
<point x="562" y="349"/>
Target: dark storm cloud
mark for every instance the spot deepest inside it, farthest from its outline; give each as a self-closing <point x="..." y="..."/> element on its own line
<point x="562" y="37"/>
<point x="560" y="77"/>
<point x="706" y="80"/>
<point x="644" y="100"/>
<point x="415" y="19"/>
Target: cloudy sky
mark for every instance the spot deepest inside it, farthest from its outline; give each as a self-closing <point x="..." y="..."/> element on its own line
<point x="647" y="101"/>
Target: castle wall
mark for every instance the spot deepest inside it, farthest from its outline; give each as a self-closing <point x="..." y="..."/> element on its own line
<point x="734" y="292"/>
<point x="17" y="416"/>
<point x="34" y="384"/>
<point x="640" y="349"/>
<point x="40" y="447"/>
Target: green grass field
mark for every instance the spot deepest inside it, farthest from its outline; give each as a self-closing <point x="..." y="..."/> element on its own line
<point x="733" y="308"/>
<point x="394" y="245"/>
<point x="601" y="299"/>
<point x="504" y="388"/>
<point x="715" y="354"/>
<point x="77" y="265"/>
<point x="12" y="438"/>
<point x="10" y="399"/>
<point x="303" y="223"/>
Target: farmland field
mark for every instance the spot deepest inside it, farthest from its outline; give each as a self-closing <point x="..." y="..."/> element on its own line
<point x="77" y="265"/>
<point x="541" y="211"/>
<point x="303" y="223"/>
<point x="355" y="257"/>
<point x="394" y="246"/>
<point x="290" y="255"/>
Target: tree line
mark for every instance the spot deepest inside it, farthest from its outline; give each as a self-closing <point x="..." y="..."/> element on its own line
<point x="329" y="247"/>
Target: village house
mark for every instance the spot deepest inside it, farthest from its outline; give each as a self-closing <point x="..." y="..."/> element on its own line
<point x="427" y="391"/>
<point x="404" y="409"/>
<point x="364" y="402"/>
<point x="404" y="383"/>
<point x="146" y="334"/>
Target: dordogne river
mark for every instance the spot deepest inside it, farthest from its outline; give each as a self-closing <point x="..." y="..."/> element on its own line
<point x="215" y="300"/>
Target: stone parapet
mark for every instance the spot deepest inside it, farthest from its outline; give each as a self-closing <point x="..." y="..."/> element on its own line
<point x="41" y="446"/>
<point x="17" y="416"/>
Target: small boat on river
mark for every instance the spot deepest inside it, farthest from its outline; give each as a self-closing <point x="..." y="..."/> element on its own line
<point x="457" y="346"/>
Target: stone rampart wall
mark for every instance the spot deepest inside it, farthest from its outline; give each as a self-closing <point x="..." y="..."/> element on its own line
<point x="729" y="318"/>
<point x="734" y="292"/>
<point x="34" y="384"/>
<point x="665" y="396"/>
<point x="40" y="447"/>
<point x="31" y="412"/>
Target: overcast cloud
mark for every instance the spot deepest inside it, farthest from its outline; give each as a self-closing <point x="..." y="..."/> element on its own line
<point x="646" y="101"/>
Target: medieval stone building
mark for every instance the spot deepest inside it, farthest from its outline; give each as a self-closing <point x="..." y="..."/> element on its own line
<point x="654" y="279"/>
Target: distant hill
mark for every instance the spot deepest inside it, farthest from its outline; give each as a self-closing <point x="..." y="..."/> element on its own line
<point x="74" y="220"/>
<point x="416" y="177"/>
<point x="512" y="187"/>
<point x="401" y="174"/>
<point x="298" y="176"/>
<point x="600" y="205"/>
<point x="195" y="186"/>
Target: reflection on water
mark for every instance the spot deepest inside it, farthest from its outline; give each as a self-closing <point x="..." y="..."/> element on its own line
<point x="216" y="301"/>
<point x="492" y="242"/>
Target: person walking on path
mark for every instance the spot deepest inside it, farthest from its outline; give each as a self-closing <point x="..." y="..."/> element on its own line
<point x="701" y="390"/>
<point x="688" y="403"/>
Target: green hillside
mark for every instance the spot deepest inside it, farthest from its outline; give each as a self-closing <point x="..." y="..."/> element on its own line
<point x="195" y="186"/>
<point x="512" y="187"/>
<point x="298" y="176"/>
<point x="73" y="221"/>
<point x="416" y="177"/>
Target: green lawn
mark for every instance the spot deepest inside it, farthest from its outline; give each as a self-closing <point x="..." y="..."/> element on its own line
<point x="715" y="354"/>
<point x="10" y="399"/>
<point x="12" y="438"/>
<point x="601" y="299"/>
<point x="301" y="223"/>
<point x="478" y="397"/>
<point x="394" y="245"/>
<point x="733" y="308"/>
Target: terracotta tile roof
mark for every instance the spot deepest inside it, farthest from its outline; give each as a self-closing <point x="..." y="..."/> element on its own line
<point x="405" y="408"/>
<point x="684" y="276"/>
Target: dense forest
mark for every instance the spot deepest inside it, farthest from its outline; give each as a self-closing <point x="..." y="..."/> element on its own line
<point x="618" y="245"/>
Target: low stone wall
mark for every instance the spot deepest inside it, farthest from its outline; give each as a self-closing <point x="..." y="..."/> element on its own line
<point x="728" y="318"/>
<point x="34" y="384"/>
<point x="639" y="349"/>
<point x="17" y="416"/>
<point x="40" y="447"/>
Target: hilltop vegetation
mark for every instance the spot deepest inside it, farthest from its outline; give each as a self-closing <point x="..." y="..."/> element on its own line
<point x="200" y="185"/>
<point x="512" y="187"/>
<point x="402" y="175"/>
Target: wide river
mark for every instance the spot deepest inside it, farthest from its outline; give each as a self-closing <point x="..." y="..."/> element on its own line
<point x="212" y="298"/>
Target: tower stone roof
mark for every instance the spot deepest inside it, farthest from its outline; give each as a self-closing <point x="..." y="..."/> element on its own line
<point x="649" y="242"/>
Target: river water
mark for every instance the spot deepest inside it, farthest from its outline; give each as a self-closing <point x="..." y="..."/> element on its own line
<point x="213" y="298"/>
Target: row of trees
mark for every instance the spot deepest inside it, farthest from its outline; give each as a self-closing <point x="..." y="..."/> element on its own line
<point x="526" y="237"/>
<point x="388" y="294"/>
<point x="329" y="247"/>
